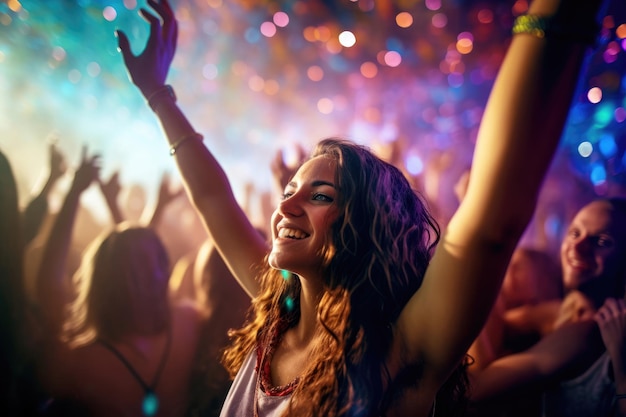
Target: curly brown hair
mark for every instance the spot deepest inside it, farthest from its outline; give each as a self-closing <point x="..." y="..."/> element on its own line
<point x="374" y="260"/>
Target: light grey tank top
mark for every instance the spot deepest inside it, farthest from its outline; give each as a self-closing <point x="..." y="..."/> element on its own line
<point x="590" y="394"/>
<point x="240" y="399"/>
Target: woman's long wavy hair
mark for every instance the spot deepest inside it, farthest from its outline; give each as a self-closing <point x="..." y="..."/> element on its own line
<point x="375" y="259"/>
<point x="121" y="287"/>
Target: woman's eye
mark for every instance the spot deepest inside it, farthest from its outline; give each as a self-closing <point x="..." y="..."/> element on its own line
<point x="286" y="195"/>
<point x="322" y="197"/>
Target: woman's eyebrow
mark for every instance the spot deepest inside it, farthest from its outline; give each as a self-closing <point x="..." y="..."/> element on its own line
<point x="318" y="183"/>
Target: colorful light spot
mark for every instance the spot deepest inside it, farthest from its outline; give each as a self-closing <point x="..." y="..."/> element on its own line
<point x="585" y="149"/>
<point x="130" y="4"/>
<point x="289" y="304"/>
<point x="603" y="114"/>
<point x="268" y="29"/>
<point x="315" y="73"/>
<point x="433" y="4"/>
<point x="404" y="19"/>
<point x="281" y="19"/>
<point x="347" y="39"/>
<point x="414" y="164"/>
<point x="392" y="58"/>
<point x="485" y="16"/>
<point x="439" y="20"/>
<point x="598" y="174"/>
<point x="594" y="95"/>
<point x="369" y="69"/>
<point x="607" y="145"/>
<point x="325" y="106"/>
<point x="109" y="13"/>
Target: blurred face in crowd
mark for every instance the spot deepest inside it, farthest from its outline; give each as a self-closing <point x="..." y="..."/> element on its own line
<point x="592" y="253"/>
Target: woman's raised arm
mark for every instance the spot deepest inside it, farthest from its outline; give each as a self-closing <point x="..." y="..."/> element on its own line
<point x="518" y="136"/>
<point x="205" y="181"/>
<point x="52" y="285"/>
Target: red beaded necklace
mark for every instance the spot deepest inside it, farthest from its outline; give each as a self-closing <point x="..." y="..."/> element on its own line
<point x="265" y="352"/>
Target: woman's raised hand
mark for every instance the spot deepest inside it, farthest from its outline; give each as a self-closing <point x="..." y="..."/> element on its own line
<point x="87" y="172"/>
<point x="149" y="69"/>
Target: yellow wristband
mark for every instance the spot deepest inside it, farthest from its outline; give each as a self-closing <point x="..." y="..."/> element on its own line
<point x="551" y="26"/>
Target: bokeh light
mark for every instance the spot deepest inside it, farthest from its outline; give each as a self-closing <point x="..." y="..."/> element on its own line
<point x="268" y="29"/>
<point x="392" y="58"/>
<point x="465" y="43"/>
<point x="347" y="39"/>
<point x="109" y="13"/>
<point x="433" y="4"/>
<point x="404" y="19"/>
<point x="585" y="149"/>
<point x="325" y="105"/>
<point x="14" y="5"/>
<point x="414" y="164"/>
<point x="315" y="73"/>
<point x="369" y="69"/>
<point x="485" y="16"/>
<point x="594" y="95"/>
<point x="281" y="19"/>
<point x="264" y="75"/>
<point x="440" y="20"/>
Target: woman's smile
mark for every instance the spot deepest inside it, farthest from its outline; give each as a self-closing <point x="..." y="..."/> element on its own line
<point x="290" y="233"/>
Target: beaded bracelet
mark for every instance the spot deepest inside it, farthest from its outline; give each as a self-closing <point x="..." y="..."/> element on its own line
<point x="184" y="139"/>
<point x="542" y="26"/>
<point x="531" y="24"/>
<point x="166" y="90"/>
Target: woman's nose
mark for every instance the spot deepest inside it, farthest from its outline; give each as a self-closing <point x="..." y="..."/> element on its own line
<point x="291" y="205"/>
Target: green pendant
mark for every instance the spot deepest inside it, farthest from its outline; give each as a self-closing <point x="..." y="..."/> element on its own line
<point x="150" y="404"/>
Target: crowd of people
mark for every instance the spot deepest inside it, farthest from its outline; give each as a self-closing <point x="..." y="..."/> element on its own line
<point x="355" y="296"/>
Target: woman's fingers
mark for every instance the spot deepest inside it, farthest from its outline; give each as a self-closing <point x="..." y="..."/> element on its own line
<point x="124" y="46"/>
<point x="155" y="23"/>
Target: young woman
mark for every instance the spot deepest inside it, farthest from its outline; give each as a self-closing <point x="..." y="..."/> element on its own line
<point x="111" y="342"/>
<point x="352" y="317"/>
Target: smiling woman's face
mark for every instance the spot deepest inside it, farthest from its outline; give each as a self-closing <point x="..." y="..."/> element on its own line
<point x="302" y="220"/>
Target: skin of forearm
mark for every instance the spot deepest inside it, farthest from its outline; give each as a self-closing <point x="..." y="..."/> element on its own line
<point x="619" y="371"/>
<point x="191" y="157"/>
<point x="50" y="279"/>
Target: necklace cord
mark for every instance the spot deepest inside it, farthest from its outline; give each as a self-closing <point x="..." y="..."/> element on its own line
<point x="131" y="369"/>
